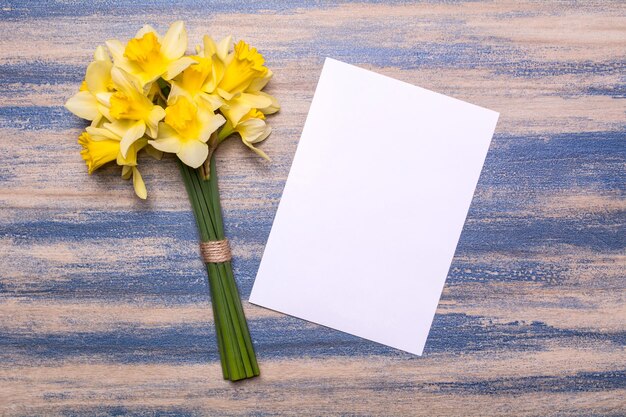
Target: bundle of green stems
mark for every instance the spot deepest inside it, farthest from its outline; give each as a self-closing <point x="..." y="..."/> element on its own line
<point x="233" y="337"/>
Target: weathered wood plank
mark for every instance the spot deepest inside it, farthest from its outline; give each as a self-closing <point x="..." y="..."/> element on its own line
<point x="104" y="306"/>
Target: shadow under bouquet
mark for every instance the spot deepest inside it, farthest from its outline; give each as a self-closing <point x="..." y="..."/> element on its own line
<point x="148" y="95"/>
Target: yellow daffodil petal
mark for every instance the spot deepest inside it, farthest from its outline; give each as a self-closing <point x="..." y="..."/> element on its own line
<point x="152" y="123"/>
<point x="84" y="105"/>
<point x="177" y="90"/>
<point x="272" y="108"/>
<point x="220" y="49"/>
<point x="215" y="76"/>
<point x="225" y="94"/>
<point x="139" y="185"/>
<point x="209" y="101"/>
<point x="209" y="123"/>
<point x="101" y="133"/>
<point x="127" y="171"/>
<point x="253" y="130"/>
<point x="105" y="112"/>
<point x="101" y="54"/>
<point x="185" y="131"/>
<point x="193" y="153"/>
<point x="152" y="90"/>
<point x="254" y="101"/>
<point x="167" y="140"/>
<point x="210" y="48"/>
<point x="146" y="29"/>
<point x="116" y="48"/>
<point x="125" y="82"/>
<point x="256" y="150"/>
<point x="235" y="112"/>
<point x="131" y="157"/>
<point x="240" y="105"/>
<point x="259" y="84"/>
<point x="119" y="127"/>
<point x="169" y="145"/>
<point x="98" y="76"/>
<point x="166" y="131"/>
<point x="176" y="67"/>
<point x="223" y="47"/>
<point x="134" y="132"/>
<point x="175" y="41"/>
<point x="96" y="122"/>
<point x="104" y="98"/>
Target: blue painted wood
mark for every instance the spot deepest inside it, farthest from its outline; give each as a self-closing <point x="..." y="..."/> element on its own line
<point x="104" y="305"/>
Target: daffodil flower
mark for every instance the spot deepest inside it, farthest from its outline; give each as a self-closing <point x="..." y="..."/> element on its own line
<point x="212" y="95"/>
<point x="84" y="104"/>
<point x="101" y="145"/>
<point x="243" y="66"/>
<point x="97" y="152"/>
<point x="129" y="104"/>
<point x="148" y="56"/>
<point x="191" y="84"/>
<point x="252" y="128"/>
<point x="200" y="79"/>
<point x="240" y="82"/>
<point x="186" y="131"/>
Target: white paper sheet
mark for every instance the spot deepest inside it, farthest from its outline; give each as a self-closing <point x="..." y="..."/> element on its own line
<point x="373" y="207"/>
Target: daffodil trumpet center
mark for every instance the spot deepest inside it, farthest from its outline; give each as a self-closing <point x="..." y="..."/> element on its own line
<point x="146" y="53"/>
<point x="195" y="76"/>
<point x="247" y="64"/>
<point x="97" y="153"/>
<point x="183" y="117"/>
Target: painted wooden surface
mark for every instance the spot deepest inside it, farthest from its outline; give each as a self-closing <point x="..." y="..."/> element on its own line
<point x="104" y="306"/>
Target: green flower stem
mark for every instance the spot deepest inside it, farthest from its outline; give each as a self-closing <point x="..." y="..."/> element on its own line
<point x="204" y="236"/>
<point x="234" y="303"/>
<point x="229" y="331"/>
<point x="229" y="271"/>
<point x="233" y="336"/>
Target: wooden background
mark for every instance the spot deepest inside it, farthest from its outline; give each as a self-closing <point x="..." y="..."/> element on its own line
<point x="104" y="306"/>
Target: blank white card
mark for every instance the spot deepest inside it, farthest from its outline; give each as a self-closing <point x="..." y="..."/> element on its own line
<point x="373" y="207"/>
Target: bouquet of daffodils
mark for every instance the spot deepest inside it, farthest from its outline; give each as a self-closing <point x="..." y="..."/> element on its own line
<point x="152" y="97"/>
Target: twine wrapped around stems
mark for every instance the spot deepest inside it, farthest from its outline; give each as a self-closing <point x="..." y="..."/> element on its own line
<point x="215" y="251"/>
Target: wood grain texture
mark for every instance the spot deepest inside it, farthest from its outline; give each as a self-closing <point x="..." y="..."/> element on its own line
<point x="104" y="306"/>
